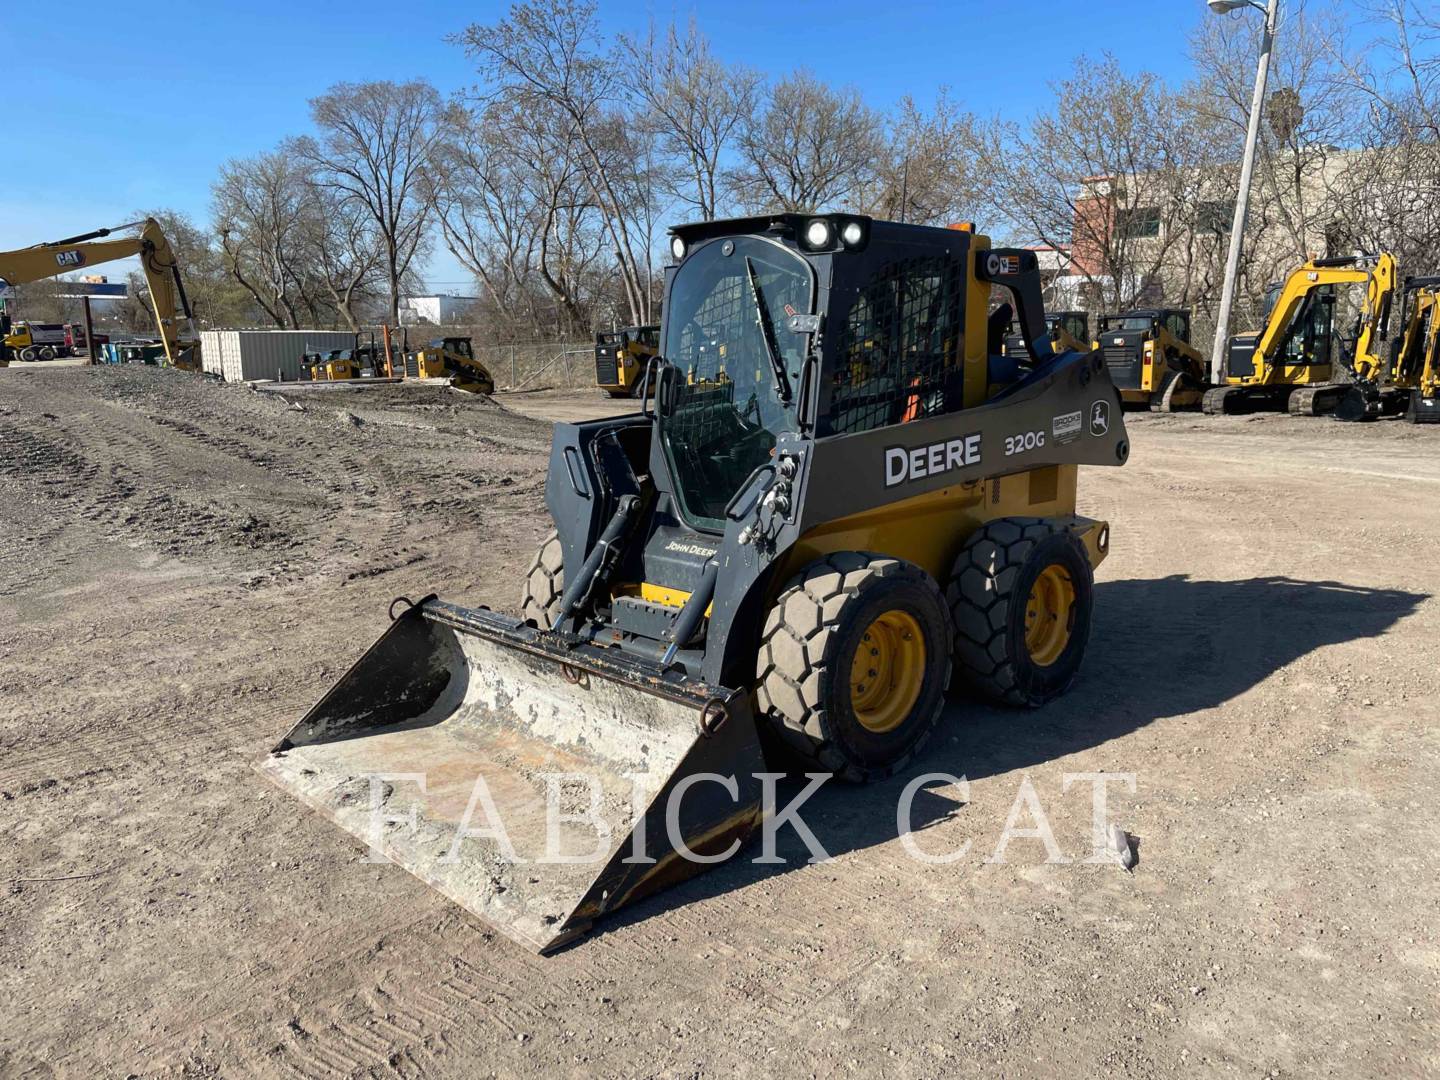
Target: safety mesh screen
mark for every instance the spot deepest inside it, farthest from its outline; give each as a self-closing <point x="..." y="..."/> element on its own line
<point x="899" y="352"/>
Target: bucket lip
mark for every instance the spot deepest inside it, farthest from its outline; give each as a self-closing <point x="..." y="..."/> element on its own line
<point x="582" y="657"/>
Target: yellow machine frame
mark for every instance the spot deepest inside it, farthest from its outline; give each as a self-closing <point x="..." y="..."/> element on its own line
<point x="157" y="262"/>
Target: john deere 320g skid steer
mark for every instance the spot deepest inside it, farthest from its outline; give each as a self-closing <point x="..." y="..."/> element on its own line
<point x="838" y="502"/>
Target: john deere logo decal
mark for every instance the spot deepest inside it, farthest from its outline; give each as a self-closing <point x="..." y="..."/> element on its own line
<point x="1099" y="418"/>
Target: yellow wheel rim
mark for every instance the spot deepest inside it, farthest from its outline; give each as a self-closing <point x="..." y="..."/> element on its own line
<point x="887" y="671"/>
<point x="1049" y="614"/>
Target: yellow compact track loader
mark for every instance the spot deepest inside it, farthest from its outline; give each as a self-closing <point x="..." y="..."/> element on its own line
<point x="1292" y="364"/>
<point x="622" y="357"/>
<point x="339" y="365"/>
<point x="1389" y="391"/>
<point x="168" y="301"/>
<point x="453" y="358"/>
<point x="1067" y="329"/>
<point x="1150" y="357"/>
<point x="840" y="501"/>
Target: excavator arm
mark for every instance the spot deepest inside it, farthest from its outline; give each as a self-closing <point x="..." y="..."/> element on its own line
<point x="168" y="301"/>
<point x="1378" y="277"/>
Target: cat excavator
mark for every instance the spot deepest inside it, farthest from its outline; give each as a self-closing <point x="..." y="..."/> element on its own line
<point x="1417" y="361"/>
<point x="839" y="498"/>
<point x="1392" y="390"/>
<point x="157" y="262"/>
<point x="1290" y="365"/>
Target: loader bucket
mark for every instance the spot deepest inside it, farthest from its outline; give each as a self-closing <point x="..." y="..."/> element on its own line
<point x="525" y="777"/>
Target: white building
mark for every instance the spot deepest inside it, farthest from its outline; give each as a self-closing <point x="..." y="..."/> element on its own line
<point x="440" y="309"/>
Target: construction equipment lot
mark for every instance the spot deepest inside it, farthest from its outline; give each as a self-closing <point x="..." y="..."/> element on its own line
<point x="185" y="567"/>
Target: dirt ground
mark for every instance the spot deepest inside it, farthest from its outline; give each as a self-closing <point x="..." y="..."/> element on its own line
<point x="186" y="567"/>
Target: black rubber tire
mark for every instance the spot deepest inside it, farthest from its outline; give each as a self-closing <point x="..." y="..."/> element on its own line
<point x="544" y="584"/>
<point x="809" y="641"/>
<point x="987" y="594"/>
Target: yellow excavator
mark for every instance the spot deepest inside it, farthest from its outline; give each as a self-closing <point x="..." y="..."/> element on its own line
<point x="1291" y="364"/>
<point x="1417" y="359"/>
<point x="157" y="261"/>
<point x="1391" y="389"/>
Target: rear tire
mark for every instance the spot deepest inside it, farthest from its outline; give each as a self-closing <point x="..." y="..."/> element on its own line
<point x="544" y="584"/>
<point x="47" y="353"/>
<point x="847" y="609"/>
<point x="1021" y="598"/>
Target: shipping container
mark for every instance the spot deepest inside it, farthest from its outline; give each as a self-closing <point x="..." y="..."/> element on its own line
<point x="247" y="355"/>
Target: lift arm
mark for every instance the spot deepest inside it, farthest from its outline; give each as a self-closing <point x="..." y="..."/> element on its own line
<point x="157" y="261"/>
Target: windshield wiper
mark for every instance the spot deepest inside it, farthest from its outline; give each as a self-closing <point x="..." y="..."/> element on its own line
<point x="772" y="351"/>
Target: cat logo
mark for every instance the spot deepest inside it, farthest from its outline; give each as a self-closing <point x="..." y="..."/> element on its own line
<point x="70" y="258"/>
<point x="996" y="264"/>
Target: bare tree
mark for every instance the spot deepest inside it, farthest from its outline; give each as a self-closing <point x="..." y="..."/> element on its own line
<point x="1311" y="116"/>
<point x="549" y="51"/>
<point x="341" y="252"/>
<point x="515" y="209"/>
<point x="1105" y="174"/>
<point x="376" y="139"/>
<point x="696" y="106"/>
<point x="259" y="206"/>
<point x="811" y="147"/>
<point x="933" y="172"/>
<point x="1389" y="193"/>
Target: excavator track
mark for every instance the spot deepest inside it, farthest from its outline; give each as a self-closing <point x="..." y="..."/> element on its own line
<point x="1213" y="403"/>
<point x="1316" y="400"/>
<point x="1238" y="400"/>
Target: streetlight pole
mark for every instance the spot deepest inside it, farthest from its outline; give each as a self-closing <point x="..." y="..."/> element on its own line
<point x="1247" y="167"/>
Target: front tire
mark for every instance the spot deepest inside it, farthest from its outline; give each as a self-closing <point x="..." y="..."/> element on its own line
<point x="544" y="584"/>
<point x="853" y="664"/>
<point x="1021" y="599"/>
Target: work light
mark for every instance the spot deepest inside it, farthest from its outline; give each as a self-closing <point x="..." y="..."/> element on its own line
<point x="818" y="234"/>
<point x="677" y="248"/>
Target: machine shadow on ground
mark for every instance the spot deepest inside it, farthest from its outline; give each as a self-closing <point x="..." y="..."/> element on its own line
<point x="1159" y="647"/>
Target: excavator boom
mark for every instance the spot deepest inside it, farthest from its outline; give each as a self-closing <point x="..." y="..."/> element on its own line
<point x="168" y="301"/>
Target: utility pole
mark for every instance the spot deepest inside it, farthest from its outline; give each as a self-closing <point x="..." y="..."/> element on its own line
<point x="1247" y="167"/>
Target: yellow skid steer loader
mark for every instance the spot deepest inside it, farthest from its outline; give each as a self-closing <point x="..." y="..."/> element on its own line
<point x="838" y="503"/>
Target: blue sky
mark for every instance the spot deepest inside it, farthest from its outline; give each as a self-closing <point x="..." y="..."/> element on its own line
<point x="145" y="102"/>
